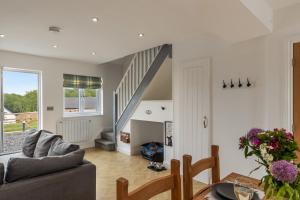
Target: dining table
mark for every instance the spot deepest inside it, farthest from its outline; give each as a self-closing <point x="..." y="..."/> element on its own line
<point x="255" y="183"/>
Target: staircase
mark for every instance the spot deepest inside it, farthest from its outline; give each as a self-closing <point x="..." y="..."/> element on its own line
<point x="107" y="140"/>
<point x="142" y="69"/>
<point x="127" y="96"/>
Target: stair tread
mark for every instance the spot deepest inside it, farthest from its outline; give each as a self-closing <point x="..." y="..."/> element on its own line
<point x="108" y="133"/>
<point x="105" y="141"/>
<point x="108" y="136"/>
<point x="108" y="130"/>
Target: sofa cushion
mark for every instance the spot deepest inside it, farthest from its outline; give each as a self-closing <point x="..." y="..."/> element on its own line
<point x="61" y="147"/>
<point x="24" y="168"/>
<point x="1" y="173"/>
<point x="29" y="143"/>
<point x="44" y="143"/>
<point x="5" y="158"/>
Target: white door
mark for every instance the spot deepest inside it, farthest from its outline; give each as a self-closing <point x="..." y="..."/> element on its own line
<point x="195" y="112"/>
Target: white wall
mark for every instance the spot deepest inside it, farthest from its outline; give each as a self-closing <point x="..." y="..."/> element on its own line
<point x="112" y="75"/>
<point x="52" y="80"/>
<point x="265" y="61"/>
<point x="234" y="111"/>
<point x="160" y="87"/>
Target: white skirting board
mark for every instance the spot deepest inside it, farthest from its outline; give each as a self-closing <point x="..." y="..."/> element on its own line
<point x="124" y="150"/>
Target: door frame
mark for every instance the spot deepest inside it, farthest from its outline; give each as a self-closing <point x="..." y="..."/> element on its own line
<point x="40" y="105"/>
<point x="290" y="78"/>
<point x="205" y="62"/>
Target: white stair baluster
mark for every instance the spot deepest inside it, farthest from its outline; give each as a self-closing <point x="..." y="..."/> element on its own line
<point x="125" y="90"/>
<point x="133" y="79"/>
<point x="148" y="59"/>
<point x="129" y="83"/>
<point x="144" y="63"/>
<point x="121" y="102"/>
<point x="136" y="71"/>
<point x="138" y="67"/>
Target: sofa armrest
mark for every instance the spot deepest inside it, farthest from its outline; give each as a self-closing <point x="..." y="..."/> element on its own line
<point x="1" y="173"/>
<point x="84" y="162"/>
<point x="72" y="184"/>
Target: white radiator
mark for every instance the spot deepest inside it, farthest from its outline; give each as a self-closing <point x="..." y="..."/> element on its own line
<point x="76" y="130"/>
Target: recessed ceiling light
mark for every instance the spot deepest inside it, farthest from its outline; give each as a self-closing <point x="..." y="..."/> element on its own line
<point x="141" y="35"/>
<point x="93" y="53"/>
<point x="2" y="36"/>
<point x="54" y="46"/>
<point x="95" y="19"/>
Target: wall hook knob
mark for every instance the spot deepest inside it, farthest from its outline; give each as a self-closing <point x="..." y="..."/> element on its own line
<point x="224" y="84"/>
<point x="240" y="83"/>
<point x="231" y="84"/>
<point x="248" y="83"/>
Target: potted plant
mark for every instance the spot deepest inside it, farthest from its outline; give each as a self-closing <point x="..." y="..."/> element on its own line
<point x="275" y="151"/>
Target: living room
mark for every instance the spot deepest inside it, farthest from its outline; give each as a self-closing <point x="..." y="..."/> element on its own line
<point x="106" y="77"/>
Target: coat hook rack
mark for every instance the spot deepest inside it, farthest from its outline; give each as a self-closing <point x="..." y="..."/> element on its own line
<point x="239" y="83"/>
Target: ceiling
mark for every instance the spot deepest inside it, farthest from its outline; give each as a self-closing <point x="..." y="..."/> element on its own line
<point x="277" y="4"/>
<point x="25" y="24"/>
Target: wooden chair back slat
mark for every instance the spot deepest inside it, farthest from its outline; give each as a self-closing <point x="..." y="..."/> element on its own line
<point x="215" y="171"/>
<point x="191" y="170"/>
<point x="175" y="171"/>
<point x="202" y="165"/>
<point x="122" y="189"/>
<point x="171" y="182"/>
<point x="153" y="188"/>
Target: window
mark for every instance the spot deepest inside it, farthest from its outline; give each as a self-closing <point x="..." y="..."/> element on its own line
<point x="82" y="95"/>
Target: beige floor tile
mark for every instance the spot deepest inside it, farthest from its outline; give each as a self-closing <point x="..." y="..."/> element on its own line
<point x="112" y="165"/>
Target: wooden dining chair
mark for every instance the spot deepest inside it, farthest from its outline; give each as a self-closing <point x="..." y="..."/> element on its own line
<point x="191" y="170"/>
<point x="170" y="182"/>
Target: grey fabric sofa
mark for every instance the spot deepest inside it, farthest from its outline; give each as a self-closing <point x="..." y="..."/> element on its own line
<point x="65" y="176"/>
<point x="73" y="184"/>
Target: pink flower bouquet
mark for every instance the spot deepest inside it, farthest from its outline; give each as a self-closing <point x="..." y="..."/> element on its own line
<point x="275" y="151"/>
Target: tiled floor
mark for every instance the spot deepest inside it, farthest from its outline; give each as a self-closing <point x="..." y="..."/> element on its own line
<point x="112" y="165"/>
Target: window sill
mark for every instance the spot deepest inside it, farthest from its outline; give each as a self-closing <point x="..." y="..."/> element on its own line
<point x="82" y="115"/>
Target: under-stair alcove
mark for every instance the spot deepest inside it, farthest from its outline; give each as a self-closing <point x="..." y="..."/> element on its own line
<point x="144" y="132"/>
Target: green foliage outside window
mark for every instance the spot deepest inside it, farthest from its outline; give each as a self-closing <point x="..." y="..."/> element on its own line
<point x="21" y="103"/>
<point x="71" y="92"/>
<point x="89" y="93"/>
<point x="74" y="92"/>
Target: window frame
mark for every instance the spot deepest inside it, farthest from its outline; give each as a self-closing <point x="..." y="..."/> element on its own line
<point x="81" y="113"/>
